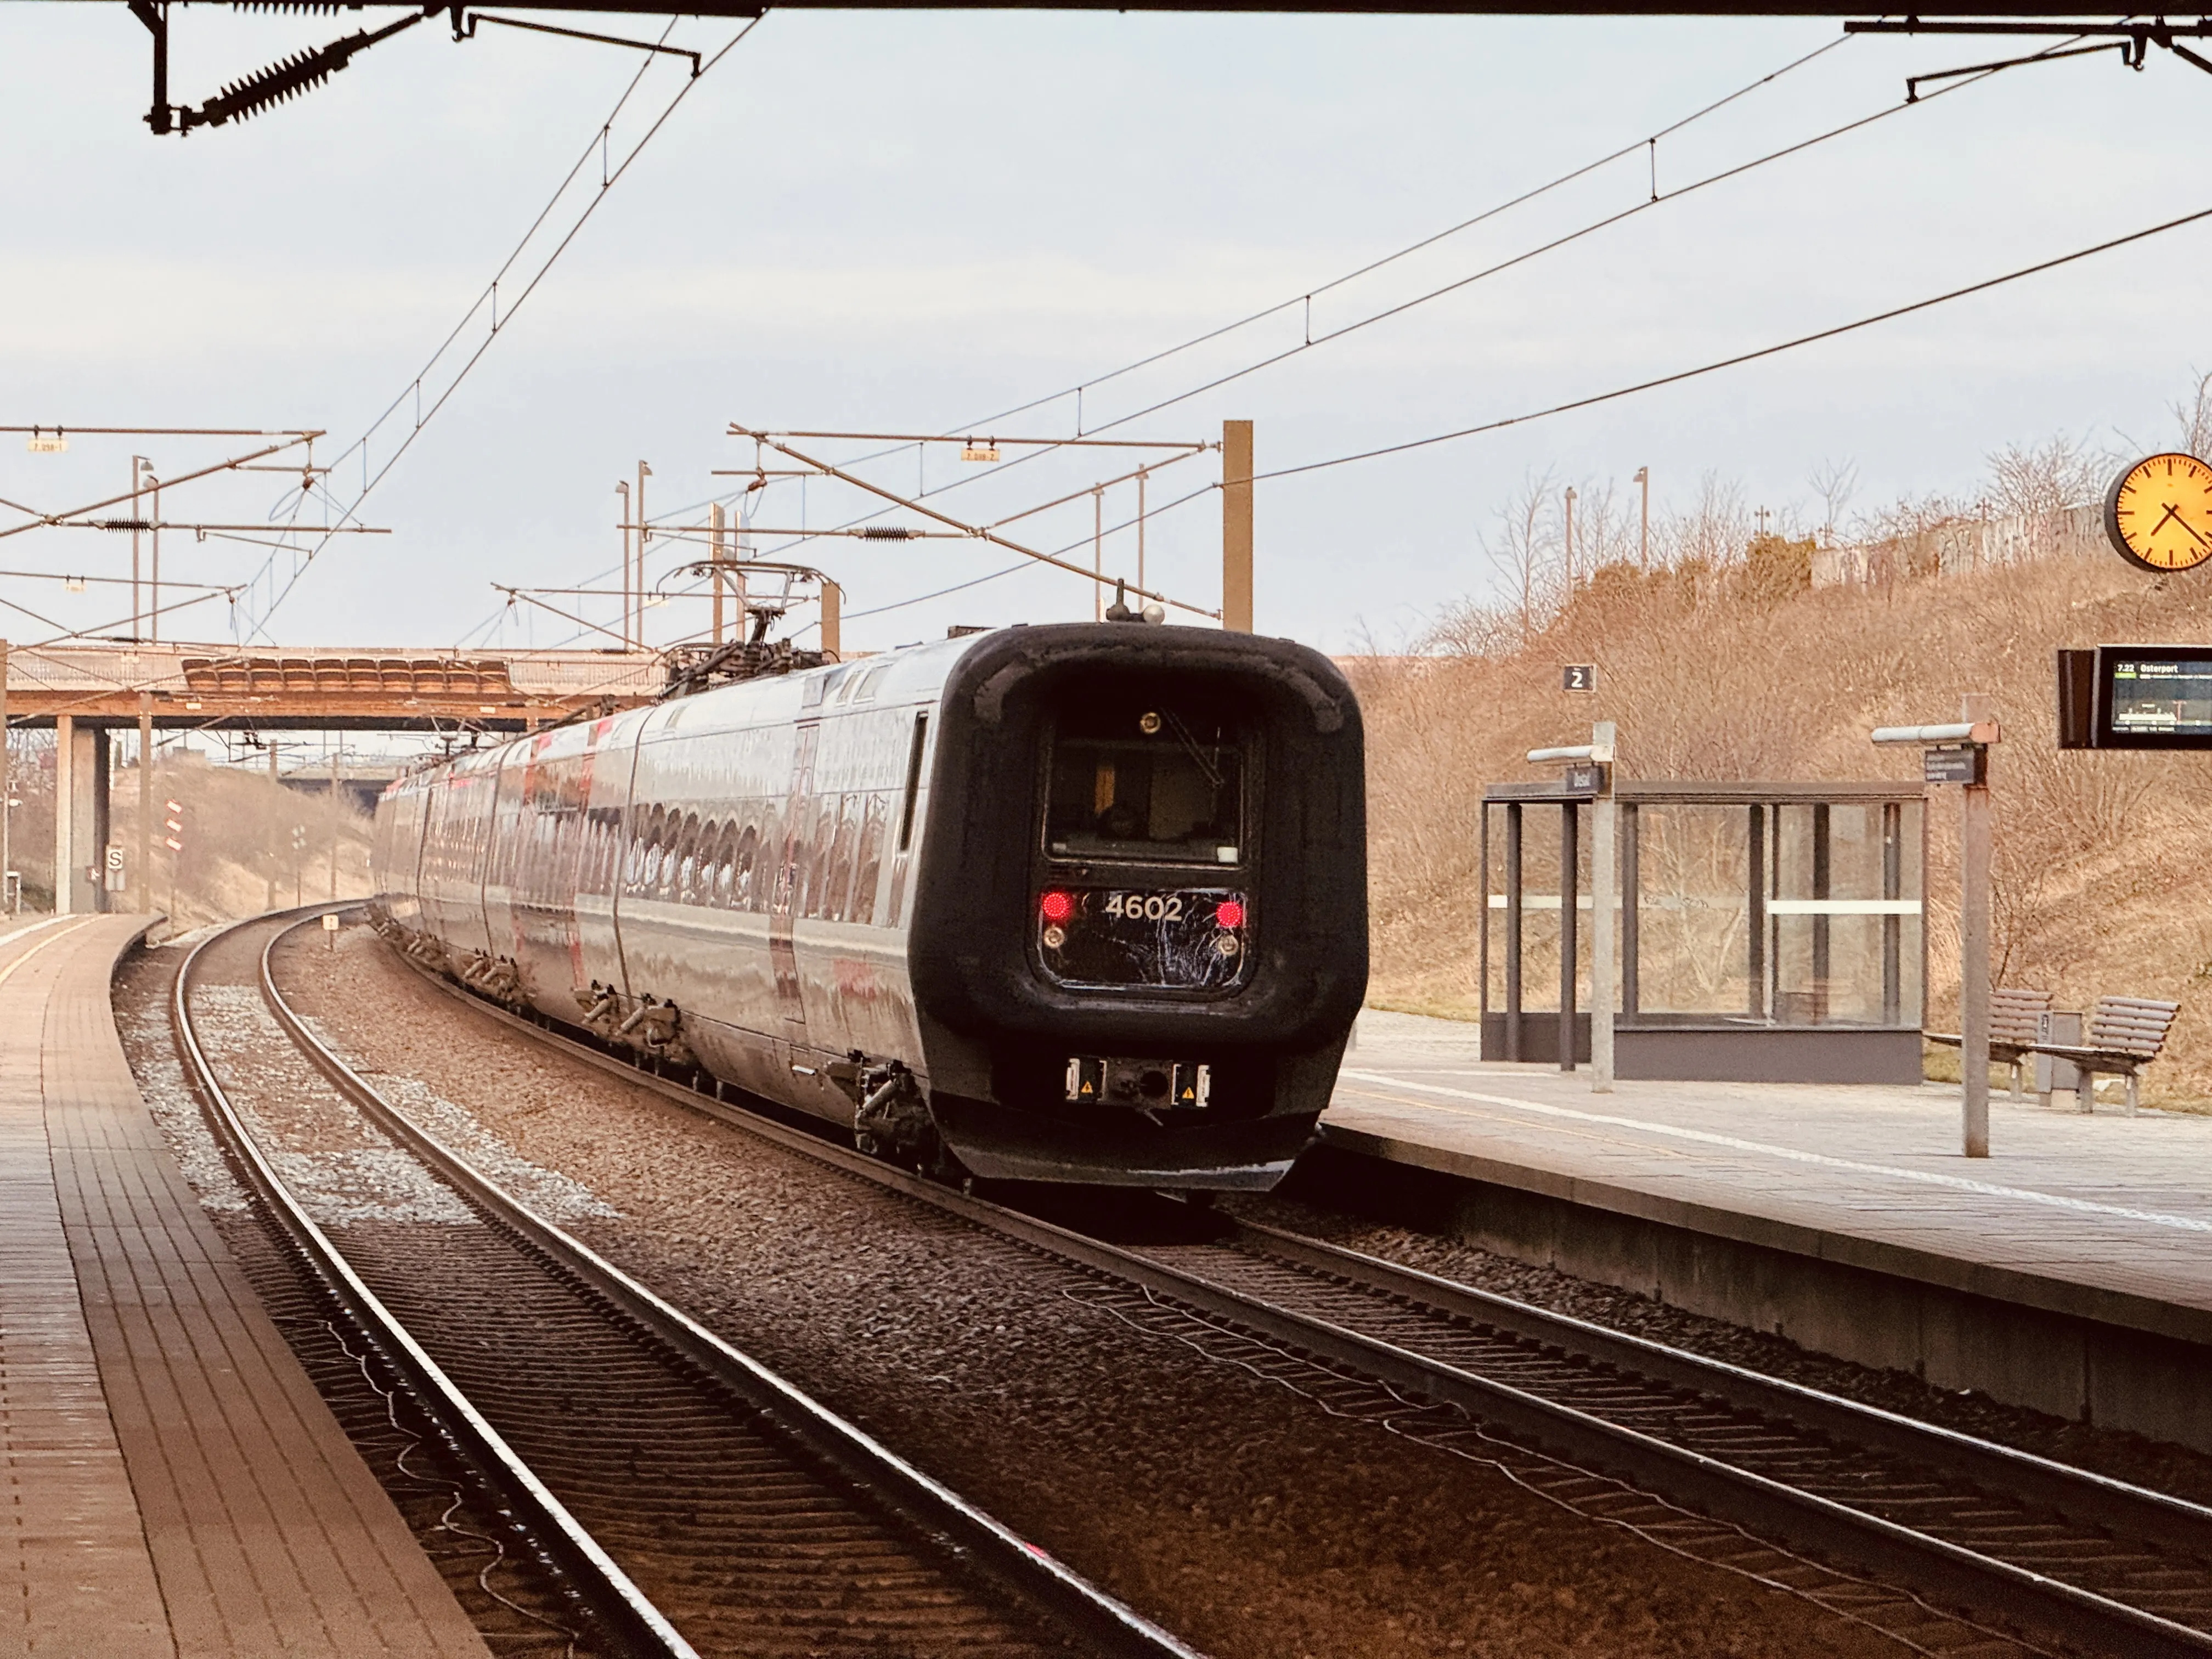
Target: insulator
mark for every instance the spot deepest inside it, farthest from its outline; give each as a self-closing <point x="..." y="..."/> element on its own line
<point x="122" y="524"/>
<point x="302" y="7"/>
<point x="285" y="79"/>
<point x="887" y="532"/>
<point x="288" y="77"/>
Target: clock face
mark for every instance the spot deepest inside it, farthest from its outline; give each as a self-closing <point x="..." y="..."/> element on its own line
<point x="2159" y="514"/>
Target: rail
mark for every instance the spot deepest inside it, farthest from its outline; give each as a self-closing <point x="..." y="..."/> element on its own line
<point x="968" y="1543"/>
<point x="2117" y="1567"/>
<point x="615" y="1604"/>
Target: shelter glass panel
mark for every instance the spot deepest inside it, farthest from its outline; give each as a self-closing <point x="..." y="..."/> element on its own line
<point x="1694" y="911"/>
<point x="1843" y="911"/>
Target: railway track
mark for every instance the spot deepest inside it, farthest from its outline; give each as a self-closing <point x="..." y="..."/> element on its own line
<point x="689" y="1500"/>
<point x="2057" y="1553"/>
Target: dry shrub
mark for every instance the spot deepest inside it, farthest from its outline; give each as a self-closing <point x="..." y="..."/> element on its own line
<point x="238" y="837"/>
<point x="1714" y="675"/>
<point x="239" y="841"/>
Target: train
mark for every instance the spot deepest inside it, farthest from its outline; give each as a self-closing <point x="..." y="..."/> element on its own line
<point x="1077" y="903"/>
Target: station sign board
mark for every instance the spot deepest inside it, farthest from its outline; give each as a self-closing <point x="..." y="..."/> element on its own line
<point x="1956" y="763"/>
<point x="1585" y="780"/>
<point x="2136" y="696"/>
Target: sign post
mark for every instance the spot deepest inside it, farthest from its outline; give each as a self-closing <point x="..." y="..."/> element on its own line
<point x="1589" y="775"/>
<point x="1603" y="896"/>
<point x="1959" y="753"/>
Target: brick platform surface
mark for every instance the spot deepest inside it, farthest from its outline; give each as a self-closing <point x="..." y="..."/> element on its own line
<point x="175" y="1484"/>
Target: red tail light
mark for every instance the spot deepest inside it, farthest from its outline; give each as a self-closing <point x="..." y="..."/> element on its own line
<point x="1231" y="915"/>
<point x="1057" y="907"/>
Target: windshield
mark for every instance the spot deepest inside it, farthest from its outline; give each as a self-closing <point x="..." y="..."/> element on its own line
<point x="1151" y="782"/>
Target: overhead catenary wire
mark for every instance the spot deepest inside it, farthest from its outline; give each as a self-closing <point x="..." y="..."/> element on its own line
<point x="490" y="296"/>
<point x="1606" y="222"/>
<point x="1310" y="341"/>
<point x="1657" y="198"/>
<point x="1743" y="357"/>
<point x="1533" y="193"/>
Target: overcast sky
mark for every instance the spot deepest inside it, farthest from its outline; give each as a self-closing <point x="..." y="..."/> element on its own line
<point x="911" y="221"/>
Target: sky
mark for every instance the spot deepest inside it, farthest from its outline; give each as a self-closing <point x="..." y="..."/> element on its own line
<point x="889" y="223"/>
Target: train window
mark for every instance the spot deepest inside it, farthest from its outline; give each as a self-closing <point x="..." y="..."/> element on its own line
<point x="1157" y="782"/>
<point x="870" y="859"/>
<point x="913" y="780"/>
<point x="656" y="842"/>
<point x="725" y="843"/>
<point x="837" y="903"/>
<point x="741" y="875"/>
<point x="683" y="858"/>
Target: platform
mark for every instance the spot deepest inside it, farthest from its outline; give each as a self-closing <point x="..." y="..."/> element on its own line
<point x="2071" y="1270"/>
<point x="174" y="1484"/>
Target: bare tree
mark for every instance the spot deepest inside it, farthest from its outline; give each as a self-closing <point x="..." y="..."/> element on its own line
<point x="1526" y="550"/>
<point x="2045" y="479"/>
<point x="1835" y="482"/>
<point x="1605" y="528"/>
<point x="1715" y="530"/>
<point x="2194" y="419"/>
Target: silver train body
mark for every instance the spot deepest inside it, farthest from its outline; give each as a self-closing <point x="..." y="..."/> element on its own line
<point x="1061" y="903"/>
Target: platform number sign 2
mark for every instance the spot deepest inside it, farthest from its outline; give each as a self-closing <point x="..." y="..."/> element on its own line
<point x="1579" y="677"/>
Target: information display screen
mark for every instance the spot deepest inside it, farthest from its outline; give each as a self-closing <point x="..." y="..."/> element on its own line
<point x="2154" y="697"/>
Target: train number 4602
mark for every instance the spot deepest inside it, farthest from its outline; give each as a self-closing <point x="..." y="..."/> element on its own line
<point x="1145" y="907"/>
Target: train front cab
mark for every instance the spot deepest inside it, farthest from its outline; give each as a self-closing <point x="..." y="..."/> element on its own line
<point x="1141" y="929"/>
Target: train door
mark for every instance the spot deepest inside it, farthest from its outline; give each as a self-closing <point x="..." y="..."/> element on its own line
<point x="791" y="878"/>
<point x="607" y="846"/>
<point x="505" y="836"/>
<point x="550" y="841"/>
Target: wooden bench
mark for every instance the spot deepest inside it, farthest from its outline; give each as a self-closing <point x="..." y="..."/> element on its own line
<point x="2125" y="1035"/>
<point x="2016" y="1024"/>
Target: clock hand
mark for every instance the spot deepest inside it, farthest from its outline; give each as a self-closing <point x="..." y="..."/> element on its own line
<point x="2174" y="512"/>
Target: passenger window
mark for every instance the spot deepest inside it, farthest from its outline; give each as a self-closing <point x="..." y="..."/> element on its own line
<point x="741" y="878"/>
<point x="726" y="846"/>
<point x="913" y="780"/>
<point x="837" y="900"/>
<point x="684" y="860"/>
<point x="868" y="874"/>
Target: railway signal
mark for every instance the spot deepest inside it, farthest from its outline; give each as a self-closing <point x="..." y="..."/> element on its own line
<point x="175" y="822"/>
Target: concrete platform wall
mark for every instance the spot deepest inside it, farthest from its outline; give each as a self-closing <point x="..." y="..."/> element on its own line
<point x="2067" y="1363"/>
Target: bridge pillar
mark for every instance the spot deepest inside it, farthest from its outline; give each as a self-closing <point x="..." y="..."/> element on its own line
<point x="80" y="818"/>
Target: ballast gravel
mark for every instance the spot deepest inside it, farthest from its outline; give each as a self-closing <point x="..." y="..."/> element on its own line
<point x="2159" y="1465"/>
<point x="1240" y="1515"/>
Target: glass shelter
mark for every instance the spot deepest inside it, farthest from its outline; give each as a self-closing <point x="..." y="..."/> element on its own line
<point x="1768" y="932"/>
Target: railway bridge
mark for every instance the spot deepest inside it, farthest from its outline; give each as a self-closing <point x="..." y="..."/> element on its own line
<point x="87" y="690"/>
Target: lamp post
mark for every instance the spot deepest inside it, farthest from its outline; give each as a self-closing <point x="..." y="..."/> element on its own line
<point x="1570" y="542"/>
<point x="1644" y="535"/>
<point x="139" y="467"/>
<point x="153" y="609"/>
<point x="643" y="473"/>
<point x="623" y="490"/>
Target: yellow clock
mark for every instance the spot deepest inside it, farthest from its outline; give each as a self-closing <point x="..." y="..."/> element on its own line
<point x="2158" y="515"/>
